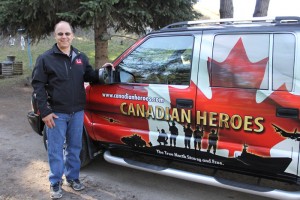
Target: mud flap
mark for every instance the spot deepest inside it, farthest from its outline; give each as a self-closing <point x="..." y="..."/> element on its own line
<point x="35" y="122"/>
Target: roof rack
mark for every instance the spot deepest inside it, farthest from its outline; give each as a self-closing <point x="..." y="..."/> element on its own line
<point x="287" y="20"/>
<point x="281" y="20"/>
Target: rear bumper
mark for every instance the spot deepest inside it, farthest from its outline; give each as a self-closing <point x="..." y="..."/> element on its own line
<point x="35" y="122"/>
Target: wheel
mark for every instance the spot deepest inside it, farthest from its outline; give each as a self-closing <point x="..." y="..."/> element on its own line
<point x="84" y="154"/>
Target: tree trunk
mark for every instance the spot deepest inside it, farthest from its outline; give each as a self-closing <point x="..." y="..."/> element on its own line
<point x="261" y="8"/>
<point x="226" y="9"/>
<point x="101" y="42"/>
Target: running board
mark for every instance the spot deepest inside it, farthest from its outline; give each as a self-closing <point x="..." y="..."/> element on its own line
<point x="204" y="179"/>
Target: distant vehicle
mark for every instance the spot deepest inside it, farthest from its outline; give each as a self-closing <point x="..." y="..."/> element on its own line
<point x="222" y="94"/>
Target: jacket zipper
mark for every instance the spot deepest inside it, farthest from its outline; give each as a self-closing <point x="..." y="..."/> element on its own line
<point x="66" y="67"/>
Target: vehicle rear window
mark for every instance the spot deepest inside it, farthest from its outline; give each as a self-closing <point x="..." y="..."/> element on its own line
<point x="283" y="61"/>
<point x="244" y="61"/>
<point x="240" y="61"/>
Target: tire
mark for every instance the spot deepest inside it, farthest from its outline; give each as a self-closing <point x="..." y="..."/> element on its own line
<point x="84" y="154"/>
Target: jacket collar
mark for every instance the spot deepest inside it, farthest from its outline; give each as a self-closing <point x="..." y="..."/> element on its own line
<point x="56" y="50"/>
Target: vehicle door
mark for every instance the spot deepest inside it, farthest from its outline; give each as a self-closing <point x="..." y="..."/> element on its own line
<point x="247" y="97"/>
<point x="151" y="104"/>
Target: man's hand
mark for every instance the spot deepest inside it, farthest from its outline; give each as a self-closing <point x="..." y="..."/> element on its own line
<point x="48" y="120"/>
<point x="109" y="65"/>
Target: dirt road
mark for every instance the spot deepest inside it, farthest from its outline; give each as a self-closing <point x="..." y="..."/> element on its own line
<point x="24" y="168"/>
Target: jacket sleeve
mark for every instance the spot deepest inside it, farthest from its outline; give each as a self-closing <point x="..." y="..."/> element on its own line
<point x="39" y="81"/>
<point x="90" y="75"/>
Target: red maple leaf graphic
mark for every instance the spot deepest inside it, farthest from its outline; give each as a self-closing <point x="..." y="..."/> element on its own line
<point x="237" y="70"/>
<point x="230" y="79"/>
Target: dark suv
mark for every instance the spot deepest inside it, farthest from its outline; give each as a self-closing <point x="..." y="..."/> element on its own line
<point x="219" y="94"/>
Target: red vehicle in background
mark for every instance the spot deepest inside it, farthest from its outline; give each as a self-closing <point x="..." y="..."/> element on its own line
<point x="219" y="94"/>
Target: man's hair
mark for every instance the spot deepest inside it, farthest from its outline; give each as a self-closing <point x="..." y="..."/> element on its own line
<point x="60" y="22"/>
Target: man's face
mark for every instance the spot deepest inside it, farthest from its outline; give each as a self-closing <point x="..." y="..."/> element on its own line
<point x="63" y="35"/>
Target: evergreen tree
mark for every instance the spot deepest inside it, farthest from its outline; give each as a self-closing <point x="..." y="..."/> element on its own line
<point x="38" y="17"/>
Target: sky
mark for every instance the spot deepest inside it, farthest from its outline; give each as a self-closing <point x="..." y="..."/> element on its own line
<point x="245" y="8"/>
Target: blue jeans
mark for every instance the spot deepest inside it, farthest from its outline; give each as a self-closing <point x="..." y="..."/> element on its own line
<point x="67" y="131"/>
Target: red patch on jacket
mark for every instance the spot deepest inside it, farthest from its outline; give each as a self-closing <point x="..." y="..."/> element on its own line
<point x="78" y="61"/>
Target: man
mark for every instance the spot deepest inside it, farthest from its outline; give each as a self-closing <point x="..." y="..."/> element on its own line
<point x="58" y="81"/>
<point x="198" y="134"/>
<point x="174" y="133"/>
<point x="213" y="140"/>
<point x="188" y="132"/>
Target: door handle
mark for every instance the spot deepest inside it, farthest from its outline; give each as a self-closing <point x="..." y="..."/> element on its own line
<point x="184" y="103"/>
<point x="287" y="112"/>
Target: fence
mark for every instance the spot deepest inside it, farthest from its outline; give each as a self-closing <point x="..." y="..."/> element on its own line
<point x="9" y="68"/>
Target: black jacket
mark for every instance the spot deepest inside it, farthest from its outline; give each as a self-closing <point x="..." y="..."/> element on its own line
<point x="58" y="81"/>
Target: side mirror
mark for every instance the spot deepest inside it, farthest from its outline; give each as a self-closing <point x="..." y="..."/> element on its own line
<point x="105" y="74"/>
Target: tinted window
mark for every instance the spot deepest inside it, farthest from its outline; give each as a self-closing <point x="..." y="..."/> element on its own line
<point x="159" y="60"/>
<point x="240" y="61"/>
<point x="283" y="61"/>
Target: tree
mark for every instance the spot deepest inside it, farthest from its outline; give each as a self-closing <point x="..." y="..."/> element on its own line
<point x="261" y="8"/>
<point x="226" y="8"/>
<point x="38" y="17"/>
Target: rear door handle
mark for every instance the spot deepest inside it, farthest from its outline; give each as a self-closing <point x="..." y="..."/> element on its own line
<point x="184" y="103"/>
<point x="287" y="112"/>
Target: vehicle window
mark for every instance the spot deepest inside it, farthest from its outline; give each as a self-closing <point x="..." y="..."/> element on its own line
<point x="159" y="60"/>
<point x="240" y="61"/>
<point x="283" y="61"/>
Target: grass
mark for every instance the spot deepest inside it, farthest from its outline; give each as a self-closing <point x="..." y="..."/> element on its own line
<point x="83" y="40"/>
